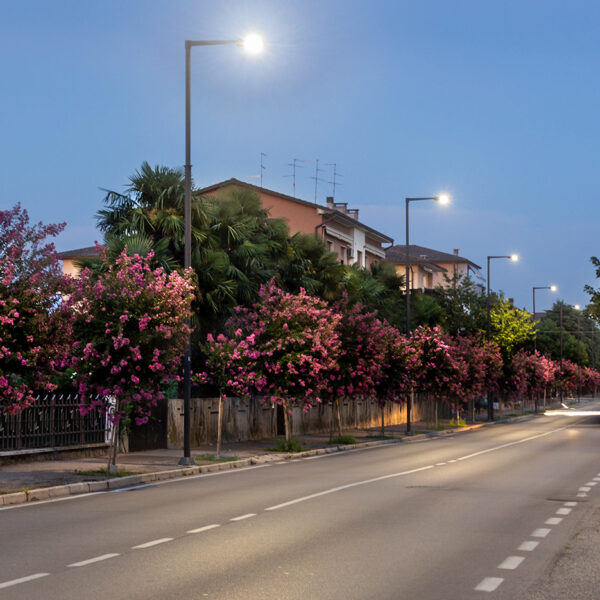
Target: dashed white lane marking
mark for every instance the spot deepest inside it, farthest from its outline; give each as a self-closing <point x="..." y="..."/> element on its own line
<point x="541" y="532"/>
<point x="582" y="495"/>
<point x="242" y="517"/>
<point x="489" y="584"/>
<point x="453" y="461"/>
<point x="89" y="561"/>
<point x="563" y="511"/>
<point x="439" y="464"/>
<point x="205" y="528"/>
<point x="349" y="485"/>
<point x="570" y="503"/>
<point x="592" y="483"/>
<point x="12" y="582"/>
<point x="152" y="543"/>
<point x="511" y="562"/>
<point x="528" y="546"/>
<point x="584" y="488"/>
<point x="596" y="479"/>
<point x="528" y="439"/>
<point x="553" y="521"/>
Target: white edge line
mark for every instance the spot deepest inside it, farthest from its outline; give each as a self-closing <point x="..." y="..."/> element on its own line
<point x="533" y="437"/>
<point x="344" y="487"/>
<point x="152" y="543"/>
<point x="89" y="561"/>
<point x="38" y="502"/>
<point x="205" y="528"/>
<point x="6" y="584"/>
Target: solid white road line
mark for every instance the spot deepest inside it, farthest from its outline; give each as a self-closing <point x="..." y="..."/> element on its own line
<point x="152" y="543"/>
<point x="511" y="562"/>
<point x="439" y="464"/>
<point x="528" y="439"/>
<point x="345" y="487"/>
<point x="6" y="584"/>
<point x="489" y="584"/>
<point x="563" y="511"/>
<point x="205" y="528"/>
<point x="553" y="521"/>
<point x="528" y="546"/>
<point x="89" y="561"/>
<point x="242" y="517"/>
<point x="541" y="532"/>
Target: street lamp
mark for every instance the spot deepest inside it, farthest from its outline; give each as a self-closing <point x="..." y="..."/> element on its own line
<point x="514" y="258"/>
<point x="252" y="44"/>
<point x="552" y="288"/>
<point x="442" y="199"/>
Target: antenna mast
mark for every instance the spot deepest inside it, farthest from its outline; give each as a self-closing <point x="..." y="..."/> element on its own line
<point x="293" y="175"/>
<point x="317" y="178"/>
<point x="262" y="168"/>
<point x="335" y="176"/>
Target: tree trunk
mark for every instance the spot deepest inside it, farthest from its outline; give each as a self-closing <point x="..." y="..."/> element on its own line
<point x="111" y="467"/>
<point x="383" y="420"/>
<point x="435" y="412"/>
<point x="219" y="424"/>
<point x="286" y="420"/>
<point x="339" y="416"/>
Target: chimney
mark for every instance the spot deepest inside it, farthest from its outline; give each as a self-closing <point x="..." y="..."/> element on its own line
<point x="329" y="201"/>
<point x="455" y="251"/>
<point x="353" y="212"/>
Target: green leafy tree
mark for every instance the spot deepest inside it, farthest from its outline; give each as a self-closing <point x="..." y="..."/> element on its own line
<point x="511" y="327"/>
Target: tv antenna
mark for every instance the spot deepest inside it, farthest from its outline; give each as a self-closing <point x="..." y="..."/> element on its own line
<point x="262" y="168"/>
<point x="294" y="164"/>
<point x="317" y="178"/>
<point x="334" y="182"/>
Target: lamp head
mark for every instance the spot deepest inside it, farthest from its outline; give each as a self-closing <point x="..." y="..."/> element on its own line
<point x="443" y="199"/>
<point x="253" y="44"/>
<point x="514" y="257"/>
<point x="577" y="307"/>
<point x="553" y="288"/>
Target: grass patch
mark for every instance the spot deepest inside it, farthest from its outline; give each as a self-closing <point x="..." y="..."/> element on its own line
<point x="212" y="458"/>
<point x="343" y="439"/>
<point x="282" y="445"/>
<point x="374" y="436"/>
<point x="457" y="423"/>
<point x="103" y="473"/>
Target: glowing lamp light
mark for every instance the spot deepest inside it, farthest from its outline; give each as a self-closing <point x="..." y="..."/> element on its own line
<point x="577" y="307"/>
<point x="443" y="199"/>
<point x="514" y="257"/>
<point x="253" y="44"/>
<point x="553" y="288"/>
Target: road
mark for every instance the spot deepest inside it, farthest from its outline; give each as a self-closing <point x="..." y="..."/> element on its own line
<point x="480" y="514"/>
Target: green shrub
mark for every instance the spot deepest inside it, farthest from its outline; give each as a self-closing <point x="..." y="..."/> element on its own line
<point x="282" y="445"/>
<point x="343" y="439"/>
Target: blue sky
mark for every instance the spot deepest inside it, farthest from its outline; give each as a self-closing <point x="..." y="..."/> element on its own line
<point x="495" y="102"/>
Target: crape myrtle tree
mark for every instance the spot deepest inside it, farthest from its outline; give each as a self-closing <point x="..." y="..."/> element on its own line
<point x="358" y="369"/>
<point x="34" y="332"/>
<point x="131" y="332"/>
<point x="293" y="343"/>
<point x="531" y="374"/>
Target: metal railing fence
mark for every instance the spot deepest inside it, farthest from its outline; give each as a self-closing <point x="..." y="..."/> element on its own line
<point x="52" y="421"/>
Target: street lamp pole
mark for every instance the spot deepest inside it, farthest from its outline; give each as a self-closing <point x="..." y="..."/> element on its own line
<point x="443" y="199"/>
<point x="514" y="258"/>
<point x="552" y="288"/>
<point x="252" y="44"/>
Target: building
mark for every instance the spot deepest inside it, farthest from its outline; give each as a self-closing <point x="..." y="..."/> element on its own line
<point x="338" y="225"/>
<point x="428" y="267"/>
<point x="70" y="257"/>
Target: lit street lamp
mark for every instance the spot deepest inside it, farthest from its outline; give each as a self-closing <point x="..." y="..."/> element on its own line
<point x="442" y="199"/>
<point x="253" y="44"/>
<point x="552" y="288"/>
<point x="514" y="258"/>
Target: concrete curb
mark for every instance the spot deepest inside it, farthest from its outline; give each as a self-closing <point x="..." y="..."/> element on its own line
<point x="86" y="487"/>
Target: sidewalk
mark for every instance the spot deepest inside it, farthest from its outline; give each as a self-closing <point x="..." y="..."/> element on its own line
<point x="40" y="479"/>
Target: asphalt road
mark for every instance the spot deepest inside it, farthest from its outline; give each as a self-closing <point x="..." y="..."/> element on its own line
<point x="478" y="514"/>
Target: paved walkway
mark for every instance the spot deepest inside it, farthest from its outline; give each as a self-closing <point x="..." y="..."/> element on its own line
<point x="39" y="473"/>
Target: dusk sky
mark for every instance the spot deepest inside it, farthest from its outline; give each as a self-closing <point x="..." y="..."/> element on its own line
<point x="494" y="102"/>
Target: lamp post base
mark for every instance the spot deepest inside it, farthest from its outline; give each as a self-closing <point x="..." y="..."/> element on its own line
<point x="186" y="461"/>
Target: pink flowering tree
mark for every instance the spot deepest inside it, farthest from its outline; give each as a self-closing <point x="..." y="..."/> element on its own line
<point x="359" y="367"/>
<point x="226" y="367"/>
<point x="531" y="375"/>
<point x="131" y="332"/>
<point x="401" y="363"/>
<point x="34" y="333"/>
<point x="591" y="380"/>
<point x="441" y="370"/>
<point x="292" y="344"/>
<point x="567" y="379"/>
